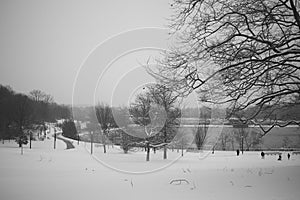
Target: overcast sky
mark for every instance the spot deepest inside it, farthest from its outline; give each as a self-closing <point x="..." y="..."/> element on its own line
<point x="43" y="44"/>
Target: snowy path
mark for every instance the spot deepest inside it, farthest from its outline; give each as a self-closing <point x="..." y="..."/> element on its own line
<point x="46" y="173"/>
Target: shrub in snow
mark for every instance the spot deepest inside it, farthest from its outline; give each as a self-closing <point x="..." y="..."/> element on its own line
<point x="69" y="129"/>
<point x="22" y="140"/>
<point x="126" y="142"/>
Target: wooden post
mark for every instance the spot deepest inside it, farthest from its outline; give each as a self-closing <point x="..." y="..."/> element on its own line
<point x="91" y="142"/>
<point x="148" y="150"/>
<point x="181" y="147"/>
<point x="30" y="138"/>
<point x="242" y="141"/>
<point x="54" y="138"/>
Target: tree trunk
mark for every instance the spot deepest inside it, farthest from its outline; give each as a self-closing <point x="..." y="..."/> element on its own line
<point x="165" y="151"/>
<point x="104" y="148"/>
<point x="103" y="141"/>
<point x="30" y="138"/>
<point x="181" y="147"/>
<point x="295" y="12"/>
<point x="148" y="151"/>
<point x="182" y="150"/>
<point x="54" y="140"/>
<point x="91" y="143"/>
<point x="165" y="146"/>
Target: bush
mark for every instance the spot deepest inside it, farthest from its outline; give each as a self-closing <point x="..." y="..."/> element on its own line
<point x="200" y="137"/>
<point x="22" y="140"/>
<point x="126" y="142"/>
<point x="69" y="129"/>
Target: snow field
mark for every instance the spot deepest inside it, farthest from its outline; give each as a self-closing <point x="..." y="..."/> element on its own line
<point x="47" y="173"/>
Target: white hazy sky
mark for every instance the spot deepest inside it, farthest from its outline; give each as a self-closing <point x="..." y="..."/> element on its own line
<point x="43" y="43"/>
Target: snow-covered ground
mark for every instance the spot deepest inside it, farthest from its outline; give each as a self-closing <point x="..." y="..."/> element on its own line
<point x="46" y="173"/>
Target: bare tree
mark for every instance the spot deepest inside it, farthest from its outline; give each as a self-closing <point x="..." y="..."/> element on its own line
<point x="223" y="140"/>
<point x="105" y="119"/>
<point x="247" y="138"/>
<point x="239" y="135"/>
<point x="252" y="139"/>
<point x="201" y="130"/>
<point x="42" y="107"/>
<point x="155" y="111"/>
<point x="140" y="112"/>
<point x="286" y="142"/>
<point x="231" y="140"/>
<point x="200" y="136"/>
<point x="168" y="99"/>
<point x="298" y="141"/>
<point x="40" y="96"/>
<point x="36" y="95"/>
<point x="243" y="53"/>
<point x="122" y="123"/>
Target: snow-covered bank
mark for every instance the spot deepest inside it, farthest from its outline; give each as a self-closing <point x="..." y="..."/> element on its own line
<point x="47" y="173"/>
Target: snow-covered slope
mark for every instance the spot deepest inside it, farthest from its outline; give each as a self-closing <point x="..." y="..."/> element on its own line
<point x="46" y="173"/>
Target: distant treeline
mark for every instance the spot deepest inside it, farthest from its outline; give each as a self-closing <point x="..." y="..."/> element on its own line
<point x="20" y="112"/>
<point x="285" y="113"/>
<point x="87" y="113"/>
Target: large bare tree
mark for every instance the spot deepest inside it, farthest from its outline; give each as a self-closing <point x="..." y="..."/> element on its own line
<point x="144" y="114"/>
<point x="243" y="53"/>
<point x="168" y="100"/>
<point x="155" y="110"/>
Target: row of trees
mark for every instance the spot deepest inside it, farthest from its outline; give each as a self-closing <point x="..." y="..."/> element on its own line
<point x="20" y="112"/>
<point x="151" y="120"/>
<point x="240" y="138"/>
